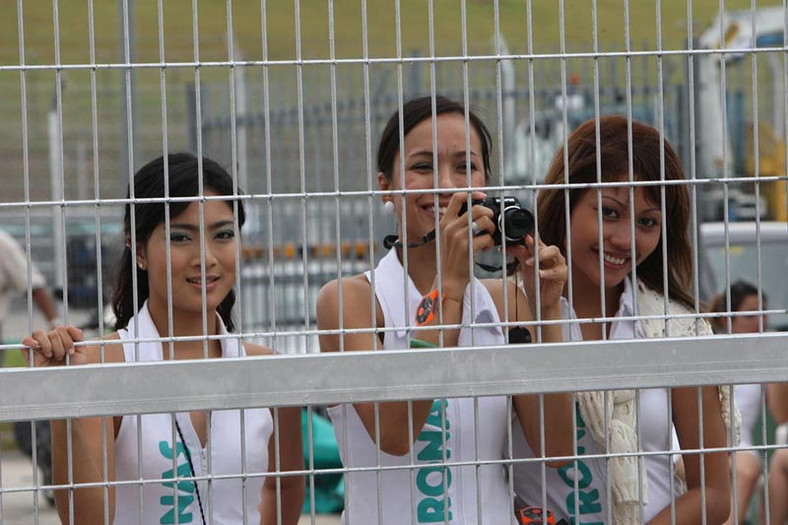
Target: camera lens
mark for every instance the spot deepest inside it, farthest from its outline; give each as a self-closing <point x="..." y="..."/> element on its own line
<point x="517" y="222"/>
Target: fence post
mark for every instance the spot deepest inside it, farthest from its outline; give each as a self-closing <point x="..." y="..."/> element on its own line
<point x="191" y="112"/>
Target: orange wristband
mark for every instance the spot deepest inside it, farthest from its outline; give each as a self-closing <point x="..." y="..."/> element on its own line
<point x="427" y="307"/>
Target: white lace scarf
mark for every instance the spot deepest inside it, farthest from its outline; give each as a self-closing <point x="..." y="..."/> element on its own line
<point x="621" y="410"/>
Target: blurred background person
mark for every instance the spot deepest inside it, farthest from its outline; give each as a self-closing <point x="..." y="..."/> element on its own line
<point x="743" y="298"/>
<point x="13" y="281"/>
<point x="777" y="397"/>
<point x="14" y="268"/>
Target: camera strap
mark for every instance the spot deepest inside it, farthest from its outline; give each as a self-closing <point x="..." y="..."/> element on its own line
<point x="393" y="241"/>
<point x="510" y="267"/>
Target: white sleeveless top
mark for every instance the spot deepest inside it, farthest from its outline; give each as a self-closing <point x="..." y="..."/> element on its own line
<point x="225" y="496"/>
<point x="748" y="400"/>
<point x="590" y="504"/>
<point x="422" y="493"/>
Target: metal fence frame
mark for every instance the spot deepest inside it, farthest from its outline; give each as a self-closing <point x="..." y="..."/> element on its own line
<point x="296" y="380"/>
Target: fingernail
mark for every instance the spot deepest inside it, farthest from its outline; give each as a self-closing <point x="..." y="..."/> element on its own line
<point x="529" y="261"/>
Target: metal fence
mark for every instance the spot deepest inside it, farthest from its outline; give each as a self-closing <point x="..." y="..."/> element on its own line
<point x="298" y="136"/>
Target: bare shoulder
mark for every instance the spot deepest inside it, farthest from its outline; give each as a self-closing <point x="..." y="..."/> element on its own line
<point x="356" y="296"/>
<point x="355" y="313"/>
<point x="518" y="305"/>
<point x="257" y="350"/>
<point x="110" y="346"/>
<point x="495" y="287"/>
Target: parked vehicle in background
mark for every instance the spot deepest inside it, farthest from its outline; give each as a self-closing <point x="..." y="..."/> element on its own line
<point x="740" y="261"/>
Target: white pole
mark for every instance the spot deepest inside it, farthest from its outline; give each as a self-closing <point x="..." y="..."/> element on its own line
<point x="242" y="121"/>
<point x="82" y="169"/>
<point x="508" y="84"/>
<point x="777" y="94"/>
<point x="55" y="170"/>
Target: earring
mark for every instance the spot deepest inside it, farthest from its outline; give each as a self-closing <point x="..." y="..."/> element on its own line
<point x="388" y="207"/>
<point x="141" y="266"/>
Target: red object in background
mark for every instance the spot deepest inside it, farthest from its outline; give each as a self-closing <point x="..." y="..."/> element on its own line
<point x="535" y="515"/>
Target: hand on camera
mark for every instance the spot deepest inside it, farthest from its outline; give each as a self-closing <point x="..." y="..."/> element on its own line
<point x="553" y="273"/>
<point x="456" y="271"/>
<point x="51" y="348"/>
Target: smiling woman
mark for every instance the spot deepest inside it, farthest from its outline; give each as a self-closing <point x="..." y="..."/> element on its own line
<point x="428" y="446"/>
<point x="218" y="248"/>
<point x="618" y="272"/>
<point x="176" y="279"/>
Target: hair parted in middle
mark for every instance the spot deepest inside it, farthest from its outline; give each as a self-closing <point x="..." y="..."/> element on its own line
<point x="184" y="181"/>
<point x="418" y="110"/>
<point x="614" y="156"/>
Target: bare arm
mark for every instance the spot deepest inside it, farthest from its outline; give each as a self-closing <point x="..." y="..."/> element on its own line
<point x="87" y="466"/>
<point x="394" y="436"/>
<point x="777" y="399"/>
<point x="716" y="474"/>
<point x="557" y="407"/>
<point x="43" y="300"/>
<point x="85" y="462"/>
<point x="291" y="458"/>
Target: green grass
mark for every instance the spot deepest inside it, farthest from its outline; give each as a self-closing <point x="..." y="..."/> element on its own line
<point x="281" y="44"/>
<point x="281" y="28"/>
<point x="14" y="358"/>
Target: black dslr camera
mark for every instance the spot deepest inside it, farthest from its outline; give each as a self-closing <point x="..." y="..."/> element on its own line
<point x="508" y="216"/>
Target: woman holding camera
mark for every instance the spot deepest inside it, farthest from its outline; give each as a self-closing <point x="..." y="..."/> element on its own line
<point x="183" y="281"/>
<point x="427" y="438"/>
<point x="618" y="273"/>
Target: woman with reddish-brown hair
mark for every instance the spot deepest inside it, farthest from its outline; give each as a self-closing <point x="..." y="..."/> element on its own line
<point x="638" y="263"/>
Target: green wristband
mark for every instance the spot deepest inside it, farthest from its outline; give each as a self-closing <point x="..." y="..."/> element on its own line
<point x="418" y="343"/>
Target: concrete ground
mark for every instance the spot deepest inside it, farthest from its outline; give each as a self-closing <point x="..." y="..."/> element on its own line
<point x="18" y="507"/>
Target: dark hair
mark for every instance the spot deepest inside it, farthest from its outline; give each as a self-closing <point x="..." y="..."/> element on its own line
<point x="614" y="158"/>
<point x="149" y="183"/>
<point x="739" y="290"/>
<point x="414" y="112"/>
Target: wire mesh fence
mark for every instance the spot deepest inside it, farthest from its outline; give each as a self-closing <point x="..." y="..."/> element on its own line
<point x="205" y="409"/>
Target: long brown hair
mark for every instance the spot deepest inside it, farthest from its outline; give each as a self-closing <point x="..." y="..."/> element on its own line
<point x="614" y="157"/>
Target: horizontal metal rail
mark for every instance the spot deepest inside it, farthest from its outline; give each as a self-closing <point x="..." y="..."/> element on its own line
<point x="377" y="193"/>
<point x="391" y="60"/>
<point x="115" y="389"/>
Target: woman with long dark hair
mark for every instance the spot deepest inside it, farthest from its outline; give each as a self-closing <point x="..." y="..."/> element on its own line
<point x="184" y="270"/>
<point x="423" y="447"/>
